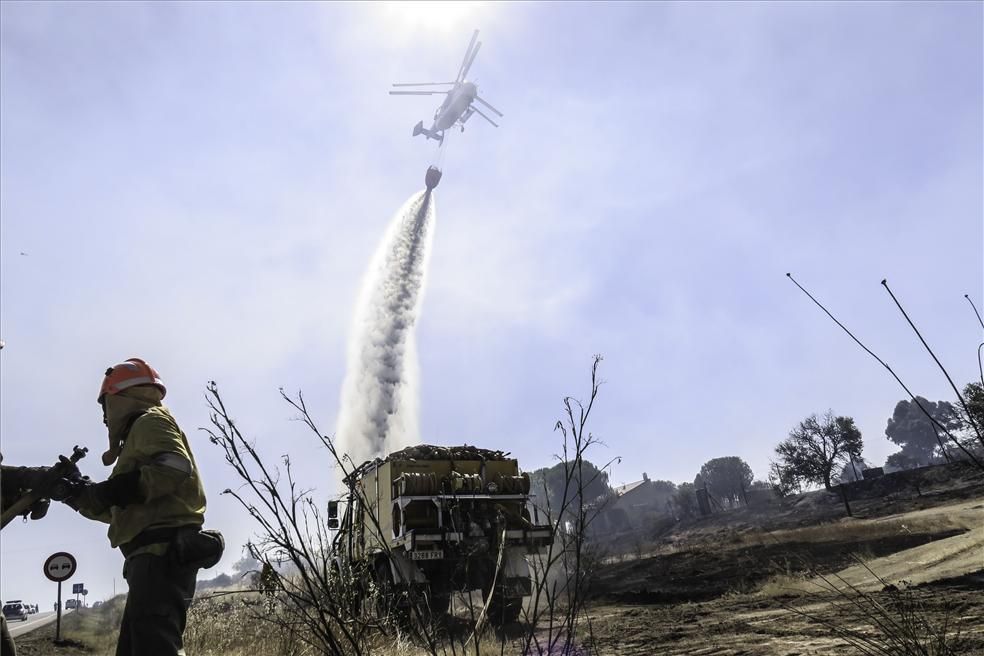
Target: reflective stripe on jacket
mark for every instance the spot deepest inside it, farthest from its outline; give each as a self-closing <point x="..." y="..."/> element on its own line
<point x="172" y="495"/>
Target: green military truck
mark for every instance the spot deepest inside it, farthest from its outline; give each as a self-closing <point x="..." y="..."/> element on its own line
<point x="429" y="521"/>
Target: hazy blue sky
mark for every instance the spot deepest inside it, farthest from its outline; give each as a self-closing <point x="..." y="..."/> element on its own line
<point x="202" y="185"/>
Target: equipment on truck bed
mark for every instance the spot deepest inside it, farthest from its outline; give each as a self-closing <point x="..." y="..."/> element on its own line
<point x="429" y="521"/>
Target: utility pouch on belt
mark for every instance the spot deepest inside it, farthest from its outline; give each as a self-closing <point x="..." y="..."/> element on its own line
<point x="197" y="549"/>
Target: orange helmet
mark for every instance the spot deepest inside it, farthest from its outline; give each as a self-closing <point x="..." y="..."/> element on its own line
<point x="131" y="373"/>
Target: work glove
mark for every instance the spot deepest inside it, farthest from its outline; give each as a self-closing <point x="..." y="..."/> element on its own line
<point x="67" y="468"/>
<point x="120" y="491"/>
<point x="69" y="484"/>
<point x="37" y="510"/>
<point x="40" y="508"/>
<point x="64" y="489"/>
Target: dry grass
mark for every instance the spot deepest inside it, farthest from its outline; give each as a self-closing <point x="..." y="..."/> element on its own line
<point x="785" y="585"/>
<point x="97" y="628"/>
<point x="217" y="626"/>
<point x="900" y="621"/>
<point x="234" y="625"/>
<point x="237" y="623"/>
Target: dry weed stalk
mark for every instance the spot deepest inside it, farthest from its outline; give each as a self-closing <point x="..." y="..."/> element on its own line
<point x="562" y="574"/>
<point x="293" y="532"/>
<point x="900" y="625"/>
<point x="314" y="603"/>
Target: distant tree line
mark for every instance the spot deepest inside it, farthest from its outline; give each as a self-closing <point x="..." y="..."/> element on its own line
<point x="821" y="450"/>
<point x="827" y="450"/>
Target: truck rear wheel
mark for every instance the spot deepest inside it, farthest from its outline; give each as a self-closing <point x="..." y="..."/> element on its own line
<point x="504" y="610"/>
<point x="507" y="612"/>
<point x="386" y="604"/>
<point x="439" y="604"/>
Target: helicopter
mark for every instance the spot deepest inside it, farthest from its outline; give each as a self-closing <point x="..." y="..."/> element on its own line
<point x="458" y="105"/>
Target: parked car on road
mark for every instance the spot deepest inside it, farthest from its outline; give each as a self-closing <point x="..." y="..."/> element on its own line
<point x="15" y="611"/>
<point x="69" y="604"/>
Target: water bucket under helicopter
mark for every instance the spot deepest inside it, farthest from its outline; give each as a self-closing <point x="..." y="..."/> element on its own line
<point x="432" y="177"/>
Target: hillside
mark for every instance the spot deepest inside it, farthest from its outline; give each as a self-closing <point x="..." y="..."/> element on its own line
<point x="788" y="576"/>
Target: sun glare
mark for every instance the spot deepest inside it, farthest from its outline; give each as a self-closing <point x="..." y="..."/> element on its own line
<point x="443" y="18"/>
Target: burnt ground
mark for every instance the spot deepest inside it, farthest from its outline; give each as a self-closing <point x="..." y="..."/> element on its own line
<point x="703" y="574"/>
<point x="748" y="625"/>
<point x="776" y="579"/>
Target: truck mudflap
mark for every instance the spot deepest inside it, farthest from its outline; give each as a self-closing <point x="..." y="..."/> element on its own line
<point x="514" y="578"/>
<point x="514" y="564"/>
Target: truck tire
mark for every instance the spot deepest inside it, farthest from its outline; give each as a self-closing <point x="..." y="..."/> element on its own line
<point x="386" y="604"/>
<point x="439" y="604"/>
<point x="505" y="613"/>
<point x="351" y="592"/>
<point x="503" y="610"/>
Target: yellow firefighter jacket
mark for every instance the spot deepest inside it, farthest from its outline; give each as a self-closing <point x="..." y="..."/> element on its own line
<point x="170" y="483"/>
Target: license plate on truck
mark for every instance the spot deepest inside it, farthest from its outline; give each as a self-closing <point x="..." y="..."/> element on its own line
<point x="430" y="554"/>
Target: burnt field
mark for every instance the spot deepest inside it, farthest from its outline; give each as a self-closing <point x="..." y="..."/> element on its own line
<point x="798" y="576"/>
<point x="703" y="574"/>
<point x="787" y="626"/>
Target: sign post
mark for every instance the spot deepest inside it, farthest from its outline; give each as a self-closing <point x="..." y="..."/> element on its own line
<point x="59" y="567"/>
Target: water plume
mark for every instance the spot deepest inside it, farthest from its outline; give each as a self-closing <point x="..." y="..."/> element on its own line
<point x="380" y="395"/>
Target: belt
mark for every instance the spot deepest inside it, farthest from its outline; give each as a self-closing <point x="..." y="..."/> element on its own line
<point x="150" y="536"/>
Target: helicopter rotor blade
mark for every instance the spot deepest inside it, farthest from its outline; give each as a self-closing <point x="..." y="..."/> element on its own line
<point x="422" y="84"/>
<point x="463" y="70"/>
<point x="489" y="106"/>
<point x="416" y="93"/>
<point x="482" y="114"/>
<point x="471" y="60"/>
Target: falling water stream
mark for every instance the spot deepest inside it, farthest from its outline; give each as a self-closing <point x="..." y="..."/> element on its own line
<point x="379" y="399"/>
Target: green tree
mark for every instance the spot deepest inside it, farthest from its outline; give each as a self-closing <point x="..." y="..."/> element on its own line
<point x="817" y="446"/>
<point x="782" y="480"/>
<point x="685" y="500"/>
<point x="973" y="393"/>
<point x="921" y="440"/>
<point x="727" y="478"/>
<point x="549" y="484"/>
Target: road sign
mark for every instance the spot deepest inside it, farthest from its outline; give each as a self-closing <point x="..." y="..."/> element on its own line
<point x="60" y="566"/>
<point x="77" y="588"/>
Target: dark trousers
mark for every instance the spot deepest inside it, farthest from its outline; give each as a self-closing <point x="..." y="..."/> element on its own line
<point x="156" y="606"/>
<point x="6" y="642"/>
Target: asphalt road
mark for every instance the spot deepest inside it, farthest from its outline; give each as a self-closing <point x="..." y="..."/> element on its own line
<point x="35" y="621"/>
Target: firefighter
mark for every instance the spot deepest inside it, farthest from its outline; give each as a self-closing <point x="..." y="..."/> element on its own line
<point x="154" y="504"/>
<point x="14" y="482"/>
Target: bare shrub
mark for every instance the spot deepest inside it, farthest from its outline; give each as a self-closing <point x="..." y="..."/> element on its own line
<point x="896" y="622"/>
<point x="562" y="575"/>
<point x="317" y="607"/>
<point x="294" y="541"/>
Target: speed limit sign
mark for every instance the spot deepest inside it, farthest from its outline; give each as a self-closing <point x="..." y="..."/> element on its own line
<point x="60" y="566"/>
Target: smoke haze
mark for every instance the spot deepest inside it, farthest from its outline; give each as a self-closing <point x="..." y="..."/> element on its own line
<point x="379" y="402"/>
